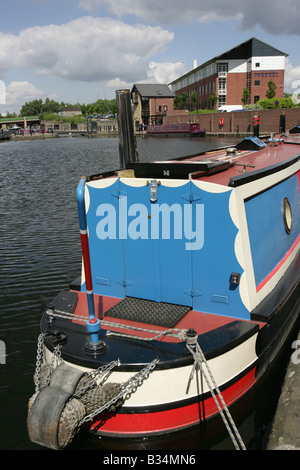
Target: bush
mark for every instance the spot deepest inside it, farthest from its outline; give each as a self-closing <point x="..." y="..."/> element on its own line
<point x="253" y="107"/>
<point x="274" y="103"/>
<point x="77" y="119"/>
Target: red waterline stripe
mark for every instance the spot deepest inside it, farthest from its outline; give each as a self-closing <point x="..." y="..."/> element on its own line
<point x="173" y="419"/>
<point x="264" y="282"/>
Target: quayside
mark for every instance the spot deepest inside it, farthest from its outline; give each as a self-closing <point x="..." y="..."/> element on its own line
<point x="188" y="291"/>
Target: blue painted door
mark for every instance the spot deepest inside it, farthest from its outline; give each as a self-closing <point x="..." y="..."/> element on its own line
<point x="156" y="264"/>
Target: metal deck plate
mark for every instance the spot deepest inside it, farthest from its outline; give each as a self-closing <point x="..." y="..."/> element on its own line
<point x="148" y="311"/>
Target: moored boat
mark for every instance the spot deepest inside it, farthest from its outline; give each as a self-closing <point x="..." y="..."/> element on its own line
<point x="295" y="129"/>
<point x="189" y="289"/>
<point x="190" y="129"/>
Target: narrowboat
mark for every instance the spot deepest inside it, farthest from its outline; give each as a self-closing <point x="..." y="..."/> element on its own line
<point x="189" y="289"/>
<point x="295" y="129"/>
<point x="189" y="129"/>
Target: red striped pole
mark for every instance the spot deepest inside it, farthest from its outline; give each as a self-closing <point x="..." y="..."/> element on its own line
<point x="93" y="324"/>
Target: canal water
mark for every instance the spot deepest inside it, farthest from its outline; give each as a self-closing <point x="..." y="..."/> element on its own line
<point x="40" y="253"/>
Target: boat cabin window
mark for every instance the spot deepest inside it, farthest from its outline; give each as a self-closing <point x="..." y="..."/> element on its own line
<point x="287" y="215"/>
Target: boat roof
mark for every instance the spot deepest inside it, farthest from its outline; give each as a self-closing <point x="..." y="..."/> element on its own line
<point x="250" y="159"/>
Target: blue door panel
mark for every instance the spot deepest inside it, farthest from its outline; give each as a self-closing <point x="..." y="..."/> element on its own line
<point x="105" y="245"/>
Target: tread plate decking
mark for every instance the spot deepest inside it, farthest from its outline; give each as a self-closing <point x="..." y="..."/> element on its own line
<point x="147" y="311"/>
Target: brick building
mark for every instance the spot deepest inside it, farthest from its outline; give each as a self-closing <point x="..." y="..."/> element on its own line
<point x="150" y="104"/>
<point x="69" y="112"/>
<point x="249" y="65"/>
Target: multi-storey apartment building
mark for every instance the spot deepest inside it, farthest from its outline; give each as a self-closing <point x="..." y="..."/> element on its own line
<point x="250" y="65"/>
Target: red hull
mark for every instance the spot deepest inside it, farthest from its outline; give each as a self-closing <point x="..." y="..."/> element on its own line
<point x="175" y="419"/>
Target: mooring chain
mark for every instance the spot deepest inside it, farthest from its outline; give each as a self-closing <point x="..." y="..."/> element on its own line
<point x="56" y="356"/>
<point x="39" y="361"/>
<point x="199" y="359"/>
<point x="94" y="376"/>
<point x="127" y="389"/>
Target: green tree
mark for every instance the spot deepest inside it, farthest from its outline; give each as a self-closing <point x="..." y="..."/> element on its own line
<point x="176" y="101"/>
<point x="184" y="97"/>
<point x="193" y="98"/>
<point x="33" y="108"/>
<point x="286" y="102"/>
<point x="100" y="107"/>
<point x="271" y="92"/>
<point x="213" y="99"/>
<point x="10" y="115"/>
<point x="245" y="96"/>
<point x="180" y="101"/>
<point x="50" y="106"/>
<point x="267" y="103"/>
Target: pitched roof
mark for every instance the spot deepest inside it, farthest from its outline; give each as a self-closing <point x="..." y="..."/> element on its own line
<point x="251" y="48"/>
<point x="155" y="90"/>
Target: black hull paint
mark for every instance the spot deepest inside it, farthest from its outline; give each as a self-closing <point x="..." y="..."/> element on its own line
<point x="280" y="311"/>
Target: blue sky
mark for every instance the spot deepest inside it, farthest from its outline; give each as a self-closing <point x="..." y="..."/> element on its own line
<point x="83" y="50"/>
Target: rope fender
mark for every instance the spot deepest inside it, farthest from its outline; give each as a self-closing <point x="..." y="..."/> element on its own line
<point x="66" y="397"/>
<point x="93" y="404"/>
<point x="56" y="411"/>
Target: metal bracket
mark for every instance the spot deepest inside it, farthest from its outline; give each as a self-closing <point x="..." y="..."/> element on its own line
<point x="153" y="190"/>
<point x="191" y="197"/>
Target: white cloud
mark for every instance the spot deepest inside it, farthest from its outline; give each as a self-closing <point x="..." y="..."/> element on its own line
<point x="292" y="77"/>
<point x="157" y="72"/>
<point x="17" y="93"/>
<point x="118" y="84"/>
<point x="272" y="15"/>
<point x="2" y="92"/>
<point x="90" y="49"/>
<point x="9" y="46"/>
<point x="23" y="91"/>
<point x="167" y="11"/>
<point x="165" y="72"/>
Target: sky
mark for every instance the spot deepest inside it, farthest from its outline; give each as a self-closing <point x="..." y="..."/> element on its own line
<point x="79" y="51"/>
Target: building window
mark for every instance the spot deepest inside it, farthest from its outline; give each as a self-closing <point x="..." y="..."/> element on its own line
<point x="222" y="86"/>
<point x="257" y="64"/>
<point x="256" y="82"/>
<point x="256" y="98"/>
<point x="222" y="67"/>
<point x="221" y="100"/>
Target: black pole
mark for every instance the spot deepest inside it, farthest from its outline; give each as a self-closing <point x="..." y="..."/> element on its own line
<point x="256" y="125"/>
<point x="127" y="148"/>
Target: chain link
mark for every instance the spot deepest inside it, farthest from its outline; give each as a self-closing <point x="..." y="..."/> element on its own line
<point x="94" y="376"/>
<point x="55" y="357"/>
<point x="137" y="380"/>
<point x="40" y="355"/>
<point x="127" y="389"/>
<point x="40" y="360"/>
